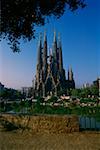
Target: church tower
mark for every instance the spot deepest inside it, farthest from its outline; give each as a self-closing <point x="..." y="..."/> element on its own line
<point x="45" y="57"/>
<point x="50" y="76"/>
<point x="45" y="65"/>
<point x="71" y="82"/>
<point x="55" y="60"/>
<point x="39" y="65"/>
<point x="60" y="54"/>
<point x="70" y="74"/>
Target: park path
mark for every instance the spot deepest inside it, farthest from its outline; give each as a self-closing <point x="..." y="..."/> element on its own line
<point x="18" y="140"/>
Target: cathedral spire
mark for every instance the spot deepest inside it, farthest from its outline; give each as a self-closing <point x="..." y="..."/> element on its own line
<point x="45" y="48"/>
<point x="55" y="36"/>
<point x="39" y="57"/>
<point x="45" y="37"/>
<point x="70" y="74"/>
<point x="60" y="53"/>
<point x="45" y="56"/>
<point x="39" y="64"/>
<point x="55" y="54"/>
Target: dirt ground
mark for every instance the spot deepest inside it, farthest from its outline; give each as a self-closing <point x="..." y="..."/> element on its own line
<point x="18" y="140"/>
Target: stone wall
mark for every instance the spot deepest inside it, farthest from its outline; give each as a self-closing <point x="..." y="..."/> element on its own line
<point x="44" y="123"/>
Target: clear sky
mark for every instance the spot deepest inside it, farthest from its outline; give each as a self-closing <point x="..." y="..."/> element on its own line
<point x="80" y="35"/>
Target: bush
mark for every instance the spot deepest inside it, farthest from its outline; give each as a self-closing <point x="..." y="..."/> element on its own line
<point x="40" y="100"/>
<point x="53" y="99"/>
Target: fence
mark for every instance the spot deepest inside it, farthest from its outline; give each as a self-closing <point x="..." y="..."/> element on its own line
<point x="89" y="123"/>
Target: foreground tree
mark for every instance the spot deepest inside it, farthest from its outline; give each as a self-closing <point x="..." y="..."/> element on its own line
<point x="19" y="17"/>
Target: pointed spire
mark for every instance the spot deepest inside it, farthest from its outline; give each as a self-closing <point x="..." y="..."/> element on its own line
<point x="55" y="54"/>
<point x="70" y="73"/>
<point x="45" y="56"/>
<point x="55" y="45"/>
<point x="45" y="37"/>
<point x="55" y="36"/>
<point x="45" y="47"/>
<point x="59" y="40"/>
<point x="40" y="50"/>
<point x="70" y="69"/>
<point x="60" y="53"/>
<point x="39" y="61"/>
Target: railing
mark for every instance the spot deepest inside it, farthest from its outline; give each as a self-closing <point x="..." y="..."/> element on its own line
<point x="89" y="123"/>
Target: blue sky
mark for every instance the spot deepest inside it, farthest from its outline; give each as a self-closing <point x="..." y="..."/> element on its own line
<point x="80" y="35"/>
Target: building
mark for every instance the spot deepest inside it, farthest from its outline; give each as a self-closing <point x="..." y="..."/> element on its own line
<point x="86" y="85"/>
<point x="50" y="74"/>
<point x="96" y="83"/>
<point x="26" y="91"/>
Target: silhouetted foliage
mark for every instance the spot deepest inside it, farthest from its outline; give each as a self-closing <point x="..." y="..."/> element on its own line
<point x="19" y="17"/>
<point x="10" y="94"/>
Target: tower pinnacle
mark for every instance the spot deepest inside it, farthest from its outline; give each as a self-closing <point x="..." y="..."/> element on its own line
<point x="45" y="57"/>
<point x="60" y="53"/>
<point x="70" y="74"/>
<point x="54" y="36"/>
<point x="39" y="57"/>
<point x="55" y="60"/>
<point x="45" y="37"/>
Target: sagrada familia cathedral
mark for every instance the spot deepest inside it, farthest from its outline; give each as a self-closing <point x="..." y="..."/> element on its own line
<point x="50" y="76"/>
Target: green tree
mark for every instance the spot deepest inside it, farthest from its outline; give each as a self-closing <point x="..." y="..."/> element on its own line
<point x="40" y="100"/>
<point x="10" y="94"/>
<point x="6" y="93"/>
<point x="53" y="99"/>
<point x="22" y="106"/>
<point x="85" y="92"/>
<point x="19" y="17"/>
<point x="74" y="93"/>
<point x="15" y="107"/>
<point x="94" y="91"/>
